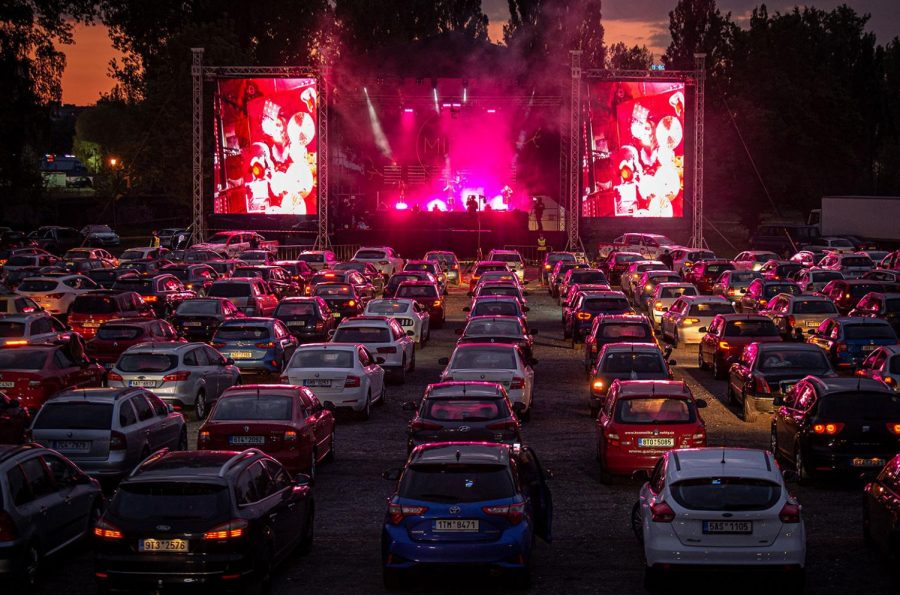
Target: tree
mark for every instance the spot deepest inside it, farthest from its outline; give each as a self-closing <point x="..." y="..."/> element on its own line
<point x="697" y="26"/>
<point x="621" y="57"/>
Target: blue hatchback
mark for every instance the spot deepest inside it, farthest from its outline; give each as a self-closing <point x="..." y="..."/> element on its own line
<point x="255" y="344"/>
<point x="466" y="503"/>
<point x="848" y="340"/>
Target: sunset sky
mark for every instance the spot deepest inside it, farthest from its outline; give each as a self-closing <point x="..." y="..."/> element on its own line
<point x="642" y="22"/>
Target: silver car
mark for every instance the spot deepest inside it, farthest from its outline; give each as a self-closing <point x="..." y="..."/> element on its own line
<point x="108" y="431"/>
<point x="31" y="329"/>
<point x="411" y="315"/>
<point x="185" y="375"/>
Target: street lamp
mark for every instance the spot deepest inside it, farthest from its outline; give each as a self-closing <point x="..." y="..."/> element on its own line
<point x="113" y="161"/>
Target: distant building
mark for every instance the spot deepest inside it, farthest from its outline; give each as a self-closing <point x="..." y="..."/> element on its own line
<point x="64" y="171"/>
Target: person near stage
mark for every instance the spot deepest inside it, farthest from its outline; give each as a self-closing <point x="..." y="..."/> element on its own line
<point x="472" y="204"/>
<point x="538" y="209"/>
<point x="666" y="259"/>
<point x="154" y="239"/>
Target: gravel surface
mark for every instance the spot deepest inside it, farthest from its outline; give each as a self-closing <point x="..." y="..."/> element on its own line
<point x="593" y="549"/>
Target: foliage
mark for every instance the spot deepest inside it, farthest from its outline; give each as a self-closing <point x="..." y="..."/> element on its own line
<point x="621" y="57"/>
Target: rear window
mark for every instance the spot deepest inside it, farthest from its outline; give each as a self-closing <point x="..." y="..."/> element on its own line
<point x="743" y="276"/>
<point x="571" y="257"/>
<point x="296" y="309"/>
<point x="465" y="410"/>
<point x="254" y="255"/>
<point x="112" y="332"/>
<point x="147" y="362"/>
<point x="677" y="292"/>
<point x="632" y="332"/>
<point x="370" y="254"/>
<point x="229" y="290"/>
<point x="653" y="410"/>
<point x="73" y="415"/>
<point x="325" y="358"/>
<point x="175" y="500"/>
<point x="494" y="328"/>
<point x="717" y="269"/>
<point x="94" y="304"/>
<point x="253" y="407"/>
<point x="132" y="255"/>
<point x="456" y="483"/>
<point x="506" y="257"/>
<point x="421" y="266"/>
<point x="711" y="309"/>
<point x="771" y="290"/>
<point x="792" y="359"/>
<point x="12" y="329"/>
<point x="869" y="331"/>
<point x="481" y="269"/>
<point x="726" y="493"/>
<point x="37" y="285"/>
<point x="481" y="359"/>
<point x="856" y="261"/>
<point x="363" y="334"/>
<point x="17" y="359"/>
<point x="141" y="286"/>
<point x="312" y="257"/>
<point x="751" y="328"/>
<point x="387" y="307"/>
<point x="399" y="278"/>
<point x="814" y="307"/>
<point x="244" y="331"/>
<point x="860" y="405"/>
<point x="244" y="272"/>
<point x="413" y="291"/>
<point x="334" y="290"/>
<point x="181" y="274"/>
<point x="589" y="277"/>
<point x="623" y="363"/>
<point x="606" y="304"/>
<point x="495" y="309"/>
<point x="199" y="308"/>
<point x="820" y="276"/>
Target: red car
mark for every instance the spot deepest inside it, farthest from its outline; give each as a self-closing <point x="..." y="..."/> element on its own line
<point x="35" y="373"/>
<point x="284" y="421"/>
<point x="728" y="334"/>
<point x="845" y="293"/>
<point x="428" y="295"/>
<point x="93" y="308"/>
<point x="14" y="421"/>
<point x="704" y="273"/>
<point x="115" y="336"/>
<point x="641" y="420"/>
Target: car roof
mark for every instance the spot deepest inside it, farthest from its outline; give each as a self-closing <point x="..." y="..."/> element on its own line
<point x="786" y="346"/>
<point x="641" y="388"/>
<point x="742" y="316"/>
<point x="248" y="320"/>
<point x="94" y="395"/>
<point x="23" y="317"/>
<point x="485" y="346"/>
<point x="861" y="320"/>
<point x="629" y="318"/>
<point x="141" y="322"/>
<point x="693" y="463"/>
<point x="366" y="320"/>
<point x="826" y="386"/>
<point x="202" y="465"/>
<point x="630" y="347"/>
<point x="468" y="388"/>
<point x="162" y="347"/>
<point x="478" y="453"/>
<point x="327" y="346"/>
<point x="705" y="299"/>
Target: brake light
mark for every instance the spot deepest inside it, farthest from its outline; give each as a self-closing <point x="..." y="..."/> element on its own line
<point x="203" y="437"/>
<point x="514" y="513"/>
<point x="660" y="512"/>
<point x="217" y="344"/>
<point x="699" y="438"/>
<point x="658" y="306"/>
<point x="266" y="345"/>
<point x="117" y="441"/>
<point x="352" y="382"/>
<point x="690" y="321"/>
<point x="387" y="350"/>
<point x="894" y="428"/>
<point x="106" y="530"/>
<point x="398" y="512"/>
<point x="436" y="304"/>
<point x="613" y="439"/>
<point x="597" y="385"/>
<point x="583" y="316"/>
<point x="840" y="347"/>
<point x="7" y="527"/>
<point x="114" y="376"/>
<point x="724" y="345"/>
<point x="790" y="513"/>
<point x="290" y="435"/>
<point x="504" y="425"/>
<point x="150" y="298"/>
<point x="828" y="429"/>
<point x="648" y="287"/>
<point x="791" y="320"/>
<point x="547" y="267"/>
<point x="176" y="377"/>
<point x="320" y="326"/>
<point x="55" y="296"/>
<point x="762" y="387"/>
<point x="233" y="529"/>
<point x="889" y="380"/>
<point x="15" y="342"/>
<point x="351" y="303"/>
<point x="418" y="424"/>
<point x="517" y="383"/>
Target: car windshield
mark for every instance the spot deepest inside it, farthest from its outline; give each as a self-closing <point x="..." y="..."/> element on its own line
<point x="869" y="331"/>
<point x="595" y="277"/>
<point x="456" y="483"/>
<point x="305" y="309"/>
<point x="312" y="257"/>
<point x="246" y="332"/>
<point x="653" y="410"/>
<point x="751" y="328"/>
<point x="115" y="332"/>
<point x="253" y="407"/>
<point x="726" y="493"/>
<point x="21" y="359"/>
<point x="633" y="332"/>
<point x="147" y="362"/>
<point x="332" y="290"/>
<point x="480" y="358"/>
<point x="229" y="290"/>
<point x="676" y="292"/>
<point x="509" y="327"/>
<point x="132" y="255"/>
<point x="362" y="334"/>
<point x="143" y="501"/>
<point x="414" y="291"/>
<point x="370" y="254"/>
<point x="38" y="285"/>
<point x="611" y="304"/>
<point x="9" y="328"/>
<point x="506" y="257"/>
<point x="627" y="362"/>
<point x="465" y="409"/>
<point x="814" y="307"/>
<point x="199" y="308"/>
<point x="771" y="290"/>
<point x="323" y="358"/>
<point x="782" y="360"/>
<point x="74" y="415"/>
<point x="387" y="307"/>
<point x="94" y="304"/>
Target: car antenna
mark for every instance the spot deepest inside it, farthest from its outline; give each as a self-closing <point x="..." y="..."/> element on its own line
<point x="457" y="455"/>
<point x="257" y="392"/>
<point x="723" y="456"/>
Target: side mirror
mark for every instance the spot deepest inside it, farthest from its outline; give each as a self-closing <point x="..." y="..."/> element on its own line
<point x="459" y="331"/>
<point x="672" y="362"/>
<point x="525" y="308"/>
<point x="701" y="403"/>
<point x="409" y="406"/>
<point x="392" y="474"/>
<point x="329" y="406"/>
<point x="533" y="331"/>
<point x="641" y="475"/>
<point x="467" y="309"/>
<point x="302" y="480"/>
<point x="379" y="360"/>
<point x="410" y="333"/>
<point x="444" y="361"/>
<point x="702" y="329"/>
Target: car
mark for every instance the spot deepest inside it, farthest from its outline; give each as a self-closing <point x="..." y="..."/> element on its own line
<point x="107" y="278"/>
<point x="879" y="305"/>
<point x="471" y="503"/>
<point x="100" y="236"/>
<point x="580" y="277"/>
<point x="646" y="286"/>
<point x="429" y="297"/>
<point x="108" y="431"/>
<point x="412" y="316"/>
<point x="704" y="273"/>
<point x="880" y="522"/>
<point x="481" y="411"/>
<point x="346" y="375"/>
<point x="197" y="319"/>
<point x="579" y="318"/>
<point x="482" y="267"/>
<point x="252" y="296"/>
<point x="808" y="258"/>
<point x="90" y="254"/>
<point x="342" y="299"/>
<point x="731" y="285"/>
<point x="555" y="277"/>
<point x="371" y="274"/>
<point x="852" y="266"/>
<point x="169" y="236"/>
<point x="56" y="239"/>
<point x="21" y="266"/>
<point x="156" y="254"/>
<point x="219" y="520"/>
<point x="846" y="293"/>
<point x="651" y="245"/>
<point x="876" y="256"/>
<point x="753" y="260"/>
<point x="117" y="335"/>
<point x="617" y="263"/>
<point x="760" y="291"/>
<point x="795" y="314"/>
<point x="641" y="420"/>
<point x="195" y="277"/>
<point x="550" y="261"/>
<point x="636" y="269"/>
<point x="256" y="344"/>
<point x="684" y="259"/>
<point x="276" y="278"/>
<point x="429" y="266"/>
<point x="449" y="263"/>
<point x="32" y="374"/>
<point x="683" y="321"/>
<point x="508" y="288"/>
<point x="81" y="267"/>
<point x="815" y="279"/>
<point x="145" y="268"/>
<point x="883" y="364"/>
<point x="299" y="271"/>
<point x="360" y="283"/>
<point x="390" y="289"/>
<point x="225" y="266"/>
<point x="842" y="426"/>
<point x="384" y="258"/>
<point x="847" y="341"/>
<point x="14" y="422"/>
<point x="55" y="293"/>
<point x="163" y="292"/>
<point x="499" y="329"/>
<point x="615" y="328"/>
<point x="724" y="338"/>
<point x="694" y="511"/>
<point x="626" y="361"/>
<point x="31" y="329"/>
<point x="664" y="295"/>
<point x="47" y="505"/>
<point x="90" y="310"/>
<point x="318" y="259"/>
<point x="830" y="244"/>
<point x="766" y="370"/>
<point x="286" y="422"/>
<point x="384" y="336"/>
<point x="307" y="318"/>
<point x="513" y="261"/>
<point x="503" y="363"/>
<point x="257" y="257"/>
<point x="15" y="304"/>
<point x="497" y="277"/>
<point x="883" y="275"/>
<point x="496" y="305"/>
<point x="196" y="255"/>
<point x="776" y="270"/>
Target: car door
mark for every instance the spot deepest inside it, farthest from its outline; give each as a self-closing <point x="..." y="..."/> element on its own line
<point x="318" y="418"/>
<point x="40" y="502"/>
<point x="219" y="369"/>
<point x="147" y="429"/>
<point x="198" y="364"/>
<point x="739" y="375"/>
<point x="533" y="482"/>
<point x="790" y="417"/>
<point x="372" y="370"/>
<point x="291" y="504"/>
<point x="709" y="341"/>
<point x="78" y="496"/>
<point x="168" y="423"/>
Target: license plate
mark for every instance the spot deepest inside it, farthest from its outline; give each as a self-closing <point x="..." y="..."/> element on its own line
<point x="241" y="355"/>
<point x="142" y="383"/>
<point x="317" y="382"/>
<point x="246" y="440"/>
<point x="91" y="325"/>
<point x="455" y="526"/>
<point x="297" y="323"/>
<point x="72" y="445"/>
<point x="727" y="527"/>
<point x="337" y="314"/>
<point x="868" y="462"/>
<point x="650" y="442"/>
<point x="7" y="384"/>
<point x="812" y="323"/>
<point x="868" y="347"/>
<point x="193" y="323"/>
<point x="163" y="545"/>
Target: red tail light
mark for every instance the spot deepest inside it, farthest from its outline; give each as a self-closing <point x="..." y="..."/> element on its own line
<point x="418" y="424"/>
<point x="290" y="436"/>
<point x="233" y="529"/>
<point x="699" y="439"/>
<point x="203" y="437"/>
<point x="7" y="527"/>
<point x="660" y="512"/>
<point x="398" y="512"/>
<point x="115" y="377"/>
<point x="266" y="345"/>
<point x="514" y="513"/>
<point x="791" y="320"/>
<point x="762" y="387"/>
<point x="517" y="383"/>
<point x="320" y="326"/>
<point x="55" y="296"/>
<point x="790" y="513"/>
<point x="436" y="304"/>
<point x="150" y="298"/>
<point x="117" y="441"/>
<point x="828" y="429"/>
<point x="106" y="530"/>
<point x="352" y="382"/>
<point x="504" y="425"/>
<point x="176" y="377"/>
<point x="351" y="303"/>
<point x="387" y="350"/>
<point x="583" y="316"/>
<point x="612" y="439"/>
<point x="894" y="428"/>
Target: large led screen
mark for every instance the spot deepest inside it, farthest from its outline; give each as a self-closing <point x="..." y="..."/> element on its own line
<point x="634" y="136"/>
<point x="266" y="146"/>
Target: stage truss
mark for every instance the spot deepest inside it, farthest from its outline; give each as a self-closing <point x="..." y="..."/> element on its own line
<point x="570" y="156"/>
<point x="201" y="74"/>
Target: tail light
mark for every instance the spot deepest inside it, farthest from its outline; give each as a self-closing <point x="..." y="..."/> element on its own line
<point x="613" y="439"/>
<point x="504" y="425"/>
<point x="55" y="296"/>
<point x="791" y="320"/>
<point x="150" y="298"/>
<point x="761" y="386"/>
<point x="352" y="382"/>
<point x="176" y="377"/>
<point x="660" y="512"/>
<point x="597" y="385"/>
<point x="699" y="438"/>
<point x="514" y="513"/>
<point x="658" y="306"/>
<point x="218" y="344"/>
<point x="7" y="527"/>
<point x="320" y="326"/>
<point x="724" y="346"/>
<point x="308" y="290"/>
<point x="351" y="303"/>
<point x="15" y="342"/>
<point x="418" y="425"/>
<point x="117" y="441"/>
<point x="546" y="267"/>
<point x="266" y="345"/>
<point x="387" y="350"/>
<point x="894" y="428"/>
<point x="828" y="429"/>
<point x="790" y="513"/>
<point x="689" y="321"/>
<point x="517" y="383"/>
<point x="106" y="530"/>
<point x="398" y="512"/>
<point x="290" y="436"/>
<point x="233" y="529"/>
<point x="203" y="437"/>
<point x="889" y="380"/>
<point x="114" y="376"/>
<point x="436" y="304"/>
<point x="731" y="291"/>
<point x="583" y="316"/>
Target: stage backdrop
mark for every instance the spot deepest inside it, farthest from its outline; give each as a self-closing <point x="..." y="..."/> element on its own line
<point x="634" y="149"/>
<point x="266" y="146"/>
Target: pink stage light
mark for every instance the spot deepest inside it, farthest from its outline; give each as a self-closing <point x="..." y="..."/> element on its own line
<point x="409" y="110"/>
<point x="437" y="202"/>
<point x="401" y="206"/>
<point x="492" y="111"/>
<point x="497" y="203"/>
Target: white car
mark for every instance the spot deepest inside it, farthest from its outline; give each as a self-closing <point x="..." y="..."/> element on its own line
<point x="852" y="266"/>
<point x="345" y="374"/>
<point x="664" y="296"/>
<point x="494" y="362"/>
<point x="815" y="279"/>
<point x="11" y="303"/>
<point x="145" y="253"/>
<point x="55" y="293"/>
<point x="411" y="315"/>
<point x="318" y="260"/>
<point x="382" y="258"/>
<point x="688" y="314"/>
<point x="753" y="260"/>
<point x="384" y="337"/>
<point x="719" y="507"/>
<point x="683" y="259"/>
<point x="513" y="260"/>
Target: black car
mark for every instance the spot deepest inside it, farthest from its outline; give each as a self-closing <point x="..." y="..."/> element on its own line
<point x="500" y="329"/>
<point x="881" y="515"/>
<point x="341" y="299"/>
<point x="307" y="318"/>
<point x="367" y="270"/>
<point x="615" y="328"/>
<point x="106" y="278"/>
<point x="195" y="277"/>
<point x="299" y="272"/>
<point x="836" y="425"/>
<point x="163" y="292"/>
<point x="197" y="319"/>
<point x="278" y="279"/>
<point x="390" y="289"/>
<point x="202" y="519"/>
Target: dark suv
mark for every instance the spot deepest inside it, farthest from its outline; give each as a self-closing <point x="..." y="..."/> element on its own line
<point x="617" y="328"/>
<point x="210" y="519"/>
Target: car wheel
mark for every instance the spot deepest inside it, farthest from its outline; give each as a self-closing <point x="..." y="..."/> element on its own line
<point x="700" y="363"/>
<point x="675" y="339"/>
<point x="749" y="409"/>
<point x="729" y="395"/>
<point x="182" y="440"/>
<point x="412" y="364"/>
<point x="566" y="333"/>
<point x="800" y="465"/>
<point x="200" y="410"/>
<point x="330" y="456"/>
<point x="773" y="444"/>
<point x="367" y="410"/>
<point x="392" y="579"/>
<point x="29" y="571"/>
<point x="637" y="524"/>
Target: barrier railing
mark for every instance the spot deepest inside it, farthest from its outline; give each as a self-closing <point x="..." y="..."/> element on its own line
<point x="343" y="252"/>
<point x="530" y="254"/>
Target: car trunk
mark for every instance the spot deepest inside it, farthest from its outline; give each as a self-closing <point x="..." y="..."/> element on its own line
<point x="79" y="445"/>
<point x="323" y="381"/>
<point x="86" y="324"/>
<point x="865" y="420"/>
<point x="476" y="525"/>
<point x="503" y="377"/>
<point x="239" y="434"/>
